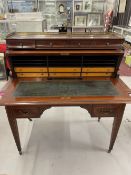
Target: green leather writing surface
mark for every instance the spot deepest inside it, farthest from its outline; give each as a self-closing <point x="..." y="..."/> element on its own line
<point x="55" y="88"/>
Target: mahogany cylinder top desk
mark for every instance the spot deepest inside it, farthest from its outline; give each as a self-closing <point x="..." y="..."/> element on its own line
<point x="64" y="69"/>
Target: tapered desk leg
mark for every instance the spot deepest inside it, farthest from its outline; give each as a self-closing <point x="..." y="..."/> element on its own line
<point x="99" y="119"/>
<point x="116" y="125"/>
<point x="14" y="128"/>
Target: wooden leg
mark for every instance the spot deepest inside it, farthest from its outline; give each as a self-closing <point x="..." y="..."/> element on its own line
<point x="116" y="125"/>
<point x="14" y="128"/>
<point x="30" y="119"/>
<point x="99" y="119"/>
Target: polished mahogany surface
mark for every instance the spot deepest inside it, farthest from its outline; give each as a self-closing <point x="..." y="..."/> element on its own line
<point x="64" y="35"/>
<point x="64" y="41"/>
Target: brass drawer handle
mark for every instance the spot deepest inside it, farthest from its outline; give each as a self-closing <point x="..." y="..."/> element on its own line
<point x="23" y="112"/>
<point x="26" y="113"/>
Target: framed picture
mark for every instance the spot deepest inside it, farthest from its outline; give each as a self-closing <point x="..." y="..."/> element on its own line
<point x="87" y="5"/>
<point x="78" y="6"/>
<point x="93" y="20"/>
<point x="80" y="21"/>
<point x="98" y="6"/>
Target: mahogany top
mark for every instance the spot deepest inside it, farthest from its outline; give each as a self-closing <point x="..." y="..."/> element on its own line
<point x="45" y="35"/>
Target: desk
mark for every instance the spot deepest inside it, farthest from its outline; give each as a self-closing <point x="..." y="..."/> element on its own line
<point x="52" y="70"/>
<point x="20" y="106"/>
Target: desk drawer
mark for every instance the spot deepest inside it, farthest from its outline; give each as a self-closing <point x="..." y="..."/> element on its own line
<point x="28" y="44"/>
<point x="43" y="44"/>
<point x="64" y="75"/>
<point x="30" y="69"/>
<point x="52" y="44"/>
<point x="28" y="112"/>
<point x="81" y="44"/>
<point x="55" y="69"/>
<point x="32" y="75"/>
<point x="98" y="69"/>
<point x="112" y="42"/>
<point x="104" y="110"/>
<point x="97" y="74"/>
<point x="17" y="44"/>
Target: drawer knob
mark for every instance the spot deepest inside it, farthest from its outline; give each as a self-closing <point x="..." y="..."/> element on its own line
<point x="79" y="44"/>
<point x="50" y="44"/>
<point x="24" y="112"/>
<point x="107" y="43"/>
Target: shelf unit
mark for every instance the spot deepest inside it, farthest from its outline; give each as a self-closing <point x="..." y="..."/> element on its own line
<point x="88" y="14"/>
<point x="51" y="12"/>
<point x="4" y="30"/>
<point x="124" y="31"/>
<point x="78" y="14"/>
<point x="21" y="6"/>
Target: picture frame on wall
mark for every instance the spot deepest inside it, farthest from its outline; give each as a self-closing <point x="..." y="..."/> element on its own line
<point x="98" y="6"/>
<point x="80" y="21"/>
<point x="78" y="6"/>
<point x="93" y="20"/>
<point x="87" y="5"/>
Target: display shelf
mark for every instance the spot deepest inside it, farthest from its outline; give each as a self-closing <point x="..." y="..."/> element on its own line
<point x="79" y="13"/>
<point x="4" y="30"/>
<point x="124" y="31"/>
<point x="21" y="5"/>
<point x="26" y="22"/>
<point x="87" y="13"/>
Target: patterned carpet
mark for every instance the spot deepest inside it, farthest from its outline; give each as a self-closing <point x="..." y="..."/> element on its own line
<point x="124" y="69"/>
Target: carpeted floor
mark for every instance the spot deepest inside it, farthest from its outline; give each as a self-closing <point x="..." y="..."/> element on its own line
<point x="124" y="69"/>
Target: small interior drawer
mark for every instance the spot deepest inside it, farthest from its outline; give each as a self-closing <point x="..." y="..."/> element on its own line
<point x="14" y="44"/>
<point x="30" y="69"/>
<point x="28" y="43"/>
<point x="64" y="74"/>
<point x="44" y="43"/>
<point x="107" y="42"/>
<point x="55" y="69"/>
<point x="98" y="69"/>
<point x="60" y="43"/>
<point x="82" y="43"/>
<point x="97" y="74"/>
<point x="32" y="75"/>
<point x="52" y="44"/>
